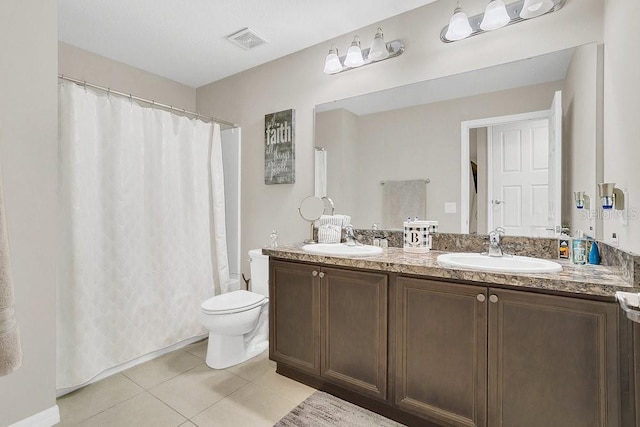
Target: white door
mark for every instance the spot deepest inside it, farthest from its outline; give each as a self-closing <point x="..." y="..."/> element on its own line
<point x="520" y="194"/>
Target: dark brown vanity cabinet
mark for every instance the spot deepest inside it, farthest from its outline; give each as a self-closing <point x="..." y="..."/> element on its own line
<point x="332" y="323"/>
<point x="426" y="351"/>
<point x="353" y="313"/>
<point x="553" y="361"/>
<point x="441" y="351"/>
<point x="477" y="356"/>
<point x="294" y="315"/>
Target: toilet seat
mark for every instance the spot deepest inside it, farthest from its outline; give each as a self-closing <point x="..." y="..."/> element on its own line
<point x="232" y="302"/>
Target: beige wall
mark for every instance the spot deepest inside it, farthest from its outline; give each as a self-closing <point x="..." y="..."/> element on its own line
<point x="580" y="160"/>
<point x="417" y="143"/>
<point x="297" y="81"/>
<point x="83" y="65"/>
<point x="621" y="130"/>
<point x="28" y="147"/>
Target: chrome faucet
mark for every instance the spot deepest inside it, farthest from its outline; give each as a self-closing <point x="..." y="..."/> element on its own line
<point x="495" y="249"/>
<point x="350" y="237"/>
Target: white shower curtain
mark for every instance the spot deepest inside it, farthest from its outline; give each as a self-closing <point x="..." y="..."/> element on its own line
<point x="141" y="198"/>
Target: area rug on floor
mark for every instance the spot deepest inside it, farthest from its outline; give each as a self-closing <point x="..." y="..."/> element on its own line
<point x="324" y="410"/>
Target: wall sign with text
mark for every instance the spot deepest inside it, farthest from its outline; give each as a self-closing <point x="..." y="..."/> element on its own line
<point x="279" y="147"/>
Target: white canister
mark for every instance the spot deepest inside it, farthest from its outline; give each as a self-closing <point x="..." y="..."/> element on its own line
<point x="416" y="236"/>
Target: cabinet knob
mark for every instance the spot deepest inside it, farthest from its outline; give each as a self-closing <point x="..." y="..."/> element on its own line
<point x="314" y="273"/>
<point x="481" y="297"/>
<point x="321" y="274"/>
<point x="493" y="298"/>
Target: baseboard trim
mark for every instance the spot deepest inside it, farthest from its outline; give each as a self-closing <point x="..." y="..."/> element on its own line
<point x="47" y="418"/>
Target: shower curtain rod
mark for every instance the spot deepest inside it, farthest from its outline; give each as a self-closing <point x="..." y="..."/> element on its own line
<point x="149" y="101"/>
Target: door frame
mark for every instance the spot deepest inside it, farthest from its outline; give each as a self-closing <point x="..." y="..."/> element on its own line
<point x="465" y="128"/>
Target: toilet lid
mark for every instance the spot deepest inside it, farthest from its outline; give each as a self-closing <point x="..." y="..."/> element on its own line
<point x="232" y="302"/>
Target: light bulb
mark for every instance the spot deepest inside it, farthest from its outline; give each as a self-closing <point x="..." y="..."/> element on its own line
<point x="534" y="8"/>
<point x="354" y="55"/>
<point x="459" y="27"/>
<point x="378" y="50"/>
<point x="332" y="63"/>
<point x="495" y="16"/>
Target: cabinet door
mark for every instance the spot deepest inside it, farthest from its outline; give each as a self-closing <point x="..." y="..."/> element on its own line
<point x="553" y="361"/>
<point x="294" y="301"/>
<point x="354" y="330"/>
<point x="441" y="351"/>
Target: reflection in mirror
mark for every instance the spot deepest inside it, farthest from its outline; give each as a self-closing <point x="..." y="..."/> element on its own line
<point x="511" y="173"/>
<point x="320" y="170"/>
<point x="414" y="132"/>
<point x="311" y="208"/>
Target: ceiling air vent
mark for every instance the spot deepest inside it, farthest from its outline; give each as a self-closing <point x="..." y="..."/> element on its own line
<point x="247" y="39"/>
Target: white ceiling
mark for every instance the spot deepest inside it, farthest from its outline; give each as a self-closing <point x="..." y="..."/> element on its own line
<point x="184" y="40"/>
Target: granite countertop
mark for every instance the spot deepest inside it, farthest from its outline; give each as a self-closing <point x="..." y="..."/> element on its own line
<point x="592" y="281"/>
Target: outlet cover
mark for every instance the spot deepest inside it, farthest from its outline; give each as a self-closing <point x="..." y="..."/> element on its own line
<point x="450" y="207"/>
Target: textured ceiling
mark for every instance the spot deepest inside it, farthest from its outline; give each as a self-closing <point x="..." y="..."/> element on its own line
<point x="184" y="40"/>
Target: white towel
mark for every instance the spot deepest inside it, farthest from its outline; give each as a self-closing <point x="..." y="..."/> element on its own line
<point x="329" y="233"/>
<point x="402" y="200"/>
<point x="339" y="220"/>
<point x="10" y="348"/>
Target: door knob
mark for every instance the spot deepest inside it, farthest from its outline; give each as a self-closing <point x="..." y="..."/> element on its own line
<point x="314" y="273"/>
<point x="481" y="297"/>
<point x="321" y="274"/>
<point x="493" y="298"/>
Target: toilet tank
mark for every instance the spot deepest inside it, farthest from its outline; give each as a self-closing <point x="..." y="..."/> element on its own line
<point x="259" y="272"/>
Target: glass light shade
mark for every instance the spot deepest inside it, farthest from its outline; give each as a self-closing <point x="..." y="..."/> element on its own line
<point x="354" y="55"/>
<point x="332" y="63"/>
<point x="607" y="191"/>
<point x="495" y="16"/>
<point x="459" y="27"/>
<point x="607" y="202"/>
<point x="378" y="49"/>
<point x="533" y="8"/>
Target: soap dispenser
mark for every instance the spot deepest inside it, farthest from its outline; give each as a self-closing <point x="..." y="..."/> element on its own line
<point x="579" y="255"/>
<point x="594" y="253"/>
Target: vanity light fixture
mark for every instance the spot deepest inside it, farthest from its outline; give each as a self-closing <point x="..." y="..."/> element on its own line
<point x="332" y="64"/>
<point x="357" y="57"/>
<point x="496" y="15"/>
<point x="534" y="8"/>
<point x="459" y="27"/>
<point x="378" y="50"/>
<point x="354" y="54"/>
<point x="582" y="200"/>
<point x="610" y="196"/>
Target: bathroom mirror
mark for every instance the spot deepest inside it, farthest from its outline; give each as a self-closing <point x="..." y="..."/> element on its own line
<point x="415" y="133"/>
<point x="329" y="207"/>
<point x="311" y="208"/>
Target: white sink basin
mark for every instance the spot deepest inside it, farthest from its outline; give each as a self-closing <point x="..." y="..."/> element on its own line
<point x="505" y="264"/>
<point x="340" y="249"/>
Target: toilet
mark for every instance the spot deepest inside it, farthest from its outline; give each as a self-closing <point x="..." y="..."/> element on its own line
<point x="238" y="321"/>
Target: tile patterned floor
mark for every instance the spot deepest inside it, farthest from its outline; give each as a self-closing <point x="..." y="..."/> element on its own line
<point x="179" y="389"/>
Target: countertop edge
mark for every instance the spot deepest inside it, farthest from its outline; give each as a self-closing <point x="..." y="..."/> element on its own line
<point x="592" y="282"/>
